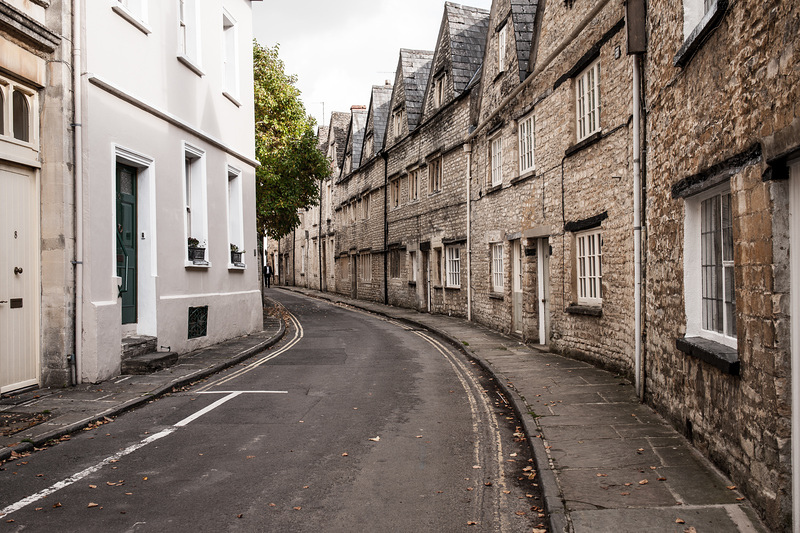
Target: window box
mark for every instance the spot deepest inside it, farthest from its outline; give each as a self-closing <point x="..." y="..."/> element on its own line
<point x="236" y="257"/>
<point x="197" y="254"/>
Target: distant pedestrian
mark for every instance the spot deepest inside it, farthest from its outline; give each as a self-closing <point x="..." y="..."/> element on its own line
<point x="267" y="274"/>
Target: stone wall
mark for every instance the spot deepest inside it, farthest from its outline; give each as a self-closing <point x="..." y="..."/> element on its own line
<point x="725" y="114"/>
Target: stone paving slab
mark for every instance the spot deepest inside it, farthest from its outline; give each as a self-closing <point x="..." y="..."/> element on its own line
<point x="595" y="438"/>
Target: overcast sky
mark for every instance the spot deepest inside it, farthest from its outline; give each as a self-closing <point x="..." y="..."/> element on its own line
<point x="339" y="50"/>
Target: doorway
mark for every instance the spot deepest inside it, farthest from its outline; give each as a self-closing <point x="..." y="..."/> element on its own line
<point x="19" y="279"/>
<point x="354" y="276"/>
<point x="543" y="277"/>
<point x="127" y="177"/>
<point x="516" y="286"/>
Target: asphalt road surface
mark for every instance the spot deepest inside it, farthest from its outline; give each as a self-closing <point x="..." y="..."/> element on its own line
<point x="351" y="423"/>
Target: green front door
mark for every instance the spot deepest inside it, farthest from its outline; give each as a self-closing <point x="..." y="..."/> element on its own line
<point x="126" y="240"/>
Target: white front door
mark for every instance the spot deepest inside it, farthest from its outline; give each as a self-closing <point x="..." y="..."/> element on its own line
<point x="543" y="276"/>
<point x="19" y="278"/>
<point x="516" y="286"/>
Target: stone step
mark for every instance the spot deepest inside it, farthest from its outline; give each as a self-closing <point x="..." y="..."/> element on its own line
<point x="148" y="363"/>
<point x="138" y="345"/>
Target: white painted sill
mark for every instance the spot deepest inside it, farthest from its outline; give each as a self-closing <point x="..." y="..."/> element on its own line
<point x="191" y="65"/>
<point x="130" y="17"/>
<point x="232" y="98"/>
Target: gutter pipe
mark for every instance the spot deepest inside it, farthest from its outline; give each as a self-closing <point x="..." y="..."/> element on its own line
<point x="77" y="139"/>
<point x="637" y="224"/>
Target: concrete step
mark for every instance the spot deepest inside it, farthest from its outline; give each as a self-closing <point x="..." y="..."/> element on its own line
<point x="138" y="345"/>
<point x="148" y="363"/>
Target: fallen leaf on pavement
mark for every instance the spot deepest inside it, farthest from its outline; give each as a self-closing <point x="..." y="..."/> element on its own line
<point x="643" y="482"/>
<point x="625" y="493"/>
<point x="344" y="455"/>
<point x="144" y="478"/>
<point x="601" y="475"/>
<point x="731" y="487"/>
<point x="55" y="505"/>
<point x="92" y="486"/>
<point x="662" y="479"/>
<point x="468" y="523"/>
<point x="375" y="439"/>
<point x="506" y="492"/>
<point x="539" y="530"/>
<point x="476" y="467"/>
<point x="92" y="504"/>
<point x="680" y="521"/>
<point x="296" y="508"/>
<point x="520" y="513"/>
<point x="690" y="530"/>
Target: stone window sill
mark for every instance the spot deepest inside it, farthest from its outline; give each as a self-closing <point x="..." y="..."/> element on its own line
<point x="412" y="283"/>
<point x="717" y="355"/>
<point x="524" y="177"/>
<point x="494" y="188"/>
<point x="586" y="310"/>
<point x="700" y="34"/>
<point x="585" y="143"/>
<point x="196" y="264"/>
<point x="496" y="296"/>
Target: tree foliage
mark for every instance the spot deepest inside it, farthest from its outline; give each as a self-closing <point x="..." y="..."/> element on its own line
<point x="286" y="146"/>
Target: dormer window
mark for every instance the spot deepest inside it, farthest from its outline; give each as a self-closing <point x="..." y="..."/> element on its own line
<point x="368" y="146"/>
<point x="501" y="48"/>
<point x="397" y="121"/>
<point x="438" y="90"/>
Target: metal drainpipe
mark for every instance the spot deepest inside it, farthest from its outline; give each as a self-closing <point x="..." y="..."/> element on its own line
<point x="637" y="225"/>
<point x="319" y="237"/>
<point x="77" y="138"/>
<point x="468" y="150"/>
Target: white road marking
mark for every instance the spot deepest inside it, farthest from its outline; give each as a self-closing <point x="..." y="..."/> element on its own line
<point x="298" y="335"/>
<point x="84" y="473"/>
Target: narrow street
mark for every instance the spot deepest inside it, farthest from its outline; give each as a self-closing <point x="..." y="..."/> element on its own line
<point x="351" y="423"/>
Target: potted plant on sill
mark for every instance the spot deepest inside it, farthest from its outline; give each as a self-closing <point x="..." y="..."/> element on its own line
<point x="196" y="251"/>
<point x="236" y="255"/>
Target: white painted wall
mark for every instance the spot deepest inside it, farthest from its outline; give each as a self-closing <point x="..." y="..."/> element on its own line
<point x="143" y="106"/>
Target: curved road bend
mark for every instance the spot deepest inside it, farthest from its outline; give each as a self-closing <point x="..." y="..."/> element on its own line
<point x="351" y="423"/>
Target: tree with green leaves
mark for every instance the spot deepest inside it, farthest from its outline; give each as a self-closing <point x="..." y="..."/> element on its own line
<point x="286" y="146"/>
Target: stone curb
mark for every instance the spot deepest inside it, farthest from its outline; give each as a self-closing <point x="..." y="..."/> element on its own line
<point x="551" y="490"/>
<point x="40" y="440"/>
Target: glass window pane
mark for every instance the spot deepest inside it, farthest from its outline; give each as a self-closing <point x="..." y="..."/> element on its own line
<point x="21" y="115"/>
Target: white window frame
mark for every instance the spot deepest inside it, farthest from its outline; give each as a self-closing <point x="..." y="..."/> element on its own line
<point x="587" y="101"/>
<point x="189" y="50"/>
<point x="435" y="176"/>
<point x="527" y="156"/>
<point x="394" y="193"/>
<point x="693" y="267"/>
<point x="195" y="196"/>
<point x="589" y="266"/>
<point x="235" y="210"/>
<point x="135" y="12"/>
<point x="497" y="267"/>
<point x="453" y="266"/>
<point x="413" y="185"/>
<point x="230" y="58"/>
<point x="694" y="11"/>
<point x="496" y="161"/>
<point x="365" y="266"/>
<point x="8" y="89"/>
<point x="501" y="48"/>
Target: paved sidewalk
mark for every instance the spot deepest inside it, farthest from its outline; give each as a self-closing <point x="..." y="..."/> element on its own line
<point x="606" y="462"/>
<point x="74" y="408"/>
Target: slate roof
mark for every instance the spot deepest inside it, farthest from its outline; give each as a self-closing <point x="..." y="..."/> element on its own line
<point x="358" y="127"/>
<point x="340" y="122"/>
<point x="322" y="139"/>
<point x="523" y="15"/>
<point x="379" y="110"/>
<point x="467" y="27"/>
<point x="416" y="65"/>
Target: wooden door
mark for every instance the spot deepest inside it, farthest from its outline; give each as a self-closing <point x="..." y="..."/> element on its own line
<point x="19" y="279"/>
<point x="126" y="240"/>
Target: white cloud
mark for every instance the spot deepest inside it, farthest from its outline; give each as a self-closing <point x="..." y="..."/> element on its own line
<point x="339" y="50"/>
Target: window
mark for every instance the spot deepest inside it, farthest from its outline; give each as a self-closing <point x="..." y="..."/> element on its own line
<point x="194" y="193"/>
<point x="435" y="176"/>
<point x="453" y="266"/>
<point x="526" y="159"/>
<point x="496" y="158"/>
<point x="394" y="262"/>
<point x="352" y="210"/>
<point x="328" y="201"/>
<point x="230" y="41"/>
<point x="21" y="114"/>
<point x="394" y="193"/>
<point x="693" y="13"/>
<point x="587" y="101"/>
<point x="497" y="272"/>
<point x="414" y="266"/>
<point x="397" y="121"/>
<point x="348" y="163"/>
<point x="439" y="90"/>
<point x="501" y="49"/>
<point x="590" y="274"/>
<point x="368" y="146"/>
<point x="436" y="266"/>
<point x="365" y="207"/>
<point x="413" y="185"/>
<point x="302" y="259"/>
<point x="365" y="266"/>
<point x="709" y="267"/>
<point x="235" y="213"/>
<point x="189" y="35"/>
